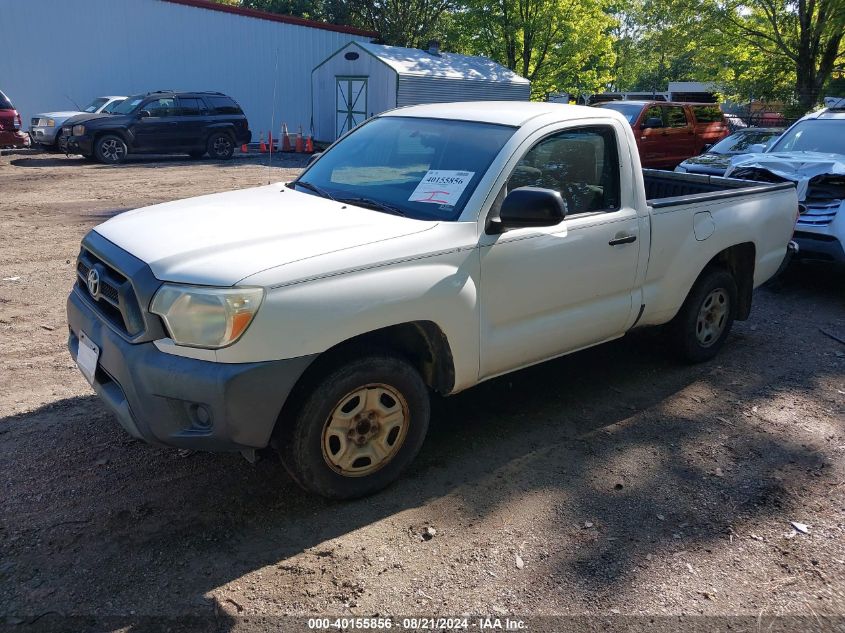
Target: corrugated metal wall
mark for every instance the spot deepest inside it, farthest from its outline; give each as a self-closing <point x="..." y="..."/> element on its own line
<point x="418" y="89"/>
<point x="54" y="52"/>
<point x="381" y="88"/>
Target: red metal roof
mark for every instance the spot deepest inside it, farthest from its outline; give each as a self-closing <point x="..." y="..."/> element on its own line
<point x="273" y="17"/>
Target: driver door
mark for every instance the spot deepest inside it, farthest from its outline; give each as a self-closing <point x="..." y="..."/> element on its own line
<point x="158" y="131"/>
<point x="550" y="290"/>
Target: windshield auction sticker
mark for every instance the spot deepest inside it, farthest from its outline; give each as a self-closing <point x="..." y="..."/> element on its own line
<point x="442" y="186"/>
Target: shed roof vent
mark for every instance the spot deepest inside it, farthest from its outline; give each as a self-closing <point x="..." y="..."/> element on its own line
<point x="434" y="47"/>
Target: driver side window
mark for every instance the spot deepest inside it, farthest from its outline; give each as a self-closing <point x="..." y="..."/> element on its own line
<point x="161" y="107"/>
<point x="582" y="164"/>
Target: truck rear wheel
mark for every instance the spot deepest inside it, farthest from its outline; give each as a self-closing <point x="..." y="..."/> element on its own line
<point x="357" y="429"/>
<point x="704" y="321"/>
<point x="220" y="146"/>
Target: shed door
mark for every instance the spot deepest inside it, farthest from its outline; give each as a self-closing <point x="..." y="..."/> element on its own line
<point x="351" y="96"/>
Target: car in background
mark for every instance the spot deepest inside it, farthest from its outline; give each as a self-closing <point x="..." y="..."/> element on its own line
<point x="735" y="122"/>
<point x="162" y="122"/>
<point x="669" y="132"/>
<point x="11" y="134"/>
<point x="45" y="129"/>
<point x="716" y="160"/>
<point x="810" y="153"/>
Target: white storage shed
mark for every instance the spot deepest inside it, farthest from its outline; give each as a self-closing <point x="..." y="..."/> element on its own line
<point x="363" y="79"/>
<point x="57" y="52"/>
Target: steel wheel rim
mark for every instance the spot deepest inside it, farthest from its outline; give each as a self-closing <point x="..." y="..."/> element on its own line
<point x="712" y="317"/>
<point x="365" y="430"/>
<point x="221" y="145"/>
<point x="111" y="149"/>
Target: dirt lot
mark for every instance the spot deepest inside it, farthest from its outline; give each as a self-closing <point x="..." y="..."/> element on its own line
<point x="610" y="483"/>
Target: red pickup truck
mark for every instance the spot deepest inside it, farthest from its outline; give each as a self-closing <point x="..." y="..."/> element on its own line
<point x="668" y="133"/>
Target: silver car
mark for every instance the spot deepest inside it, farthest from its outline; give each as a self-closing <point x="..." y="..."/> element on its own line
<point x="45" y="129"/>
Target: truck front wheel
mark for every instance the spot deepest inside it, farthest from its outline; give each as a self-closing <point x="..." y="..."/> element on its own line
<point x="701" y="326"/>
<point x="358" y="428"/>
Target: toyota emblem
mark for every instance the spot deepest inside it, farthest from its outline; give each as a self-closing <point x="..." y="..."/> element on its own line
<point x="94" y="283"/>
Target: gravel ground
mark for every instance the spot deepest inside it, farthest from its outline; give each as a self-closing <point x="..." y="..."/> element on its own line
<point x="608" y="484"/>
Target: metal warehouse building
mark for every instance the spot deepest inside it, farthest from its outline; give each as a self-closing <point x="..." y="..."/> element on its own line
<point x="57" y="52"/>
<point x="362" y="79"/>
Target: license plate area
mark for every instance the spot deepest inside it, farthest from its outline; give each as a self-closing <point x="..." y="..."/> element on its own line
<point x="87" y="356"/>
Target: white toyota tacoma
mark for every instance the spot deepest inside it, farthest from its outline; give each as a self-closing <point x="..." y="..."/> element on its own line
<point x="430" y="249"/>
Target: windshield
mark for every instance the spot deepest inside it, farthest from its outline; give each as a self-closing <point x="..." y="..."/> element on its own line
<point x="128" y="106"/>
<point x="740" y="142"/>
<point x="629" y="110"/>
<point x="5" y="104"/>
<point x="113" y="105"/>
<point x="813" y="135"/>
<point x="425" y="169"/>
<point x="95" y="105"/>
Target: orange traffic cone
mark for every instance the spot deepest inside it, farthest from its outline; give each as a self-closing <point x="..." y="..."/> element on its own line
<point x="299" y="141"/>
<point x="285" y="139"/>
<point x="244" y="149"/>
<point x="309" y="145"/>
<point x="263" y="146"/>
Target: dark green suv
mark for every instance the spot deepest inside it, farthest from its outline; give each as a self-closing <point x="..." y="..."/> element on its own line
<point x="163" y="122"/>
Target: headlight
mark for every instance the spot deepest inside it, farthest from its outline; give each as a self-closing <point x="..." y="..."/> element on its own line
<point x="197" y="316"/>
<point x="78" y="130"/>
<point x="51" y="123"/>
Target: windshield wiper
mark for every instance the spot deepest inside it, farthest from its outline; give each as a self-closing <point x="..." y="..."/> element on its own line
<point x="312" y="187"/>
<point x="374" y="204"/>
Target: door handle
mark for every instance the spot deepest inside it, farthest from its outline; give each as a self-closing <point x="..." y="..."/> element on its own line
<point x="624" y="239"/>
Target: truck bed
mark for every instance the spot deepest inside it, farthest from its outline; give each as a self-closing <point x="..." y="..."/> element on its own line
<point x="669" y="188"/>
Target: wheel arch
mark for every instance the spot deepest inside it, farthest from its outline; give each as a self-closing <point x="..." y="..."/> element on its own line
<point x="422" y="343"/>
<point x="739" y="260"/>
<point x="122" y="134"/>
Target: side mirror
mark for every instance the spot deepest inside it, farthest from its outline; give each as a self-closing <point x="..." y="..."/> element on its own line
<point x="314" y="157"/>
<point x="706" y="147"/>
<point x="757" y="148"/>
<point x="144" y="114"/>
<point x="527" y="207"/>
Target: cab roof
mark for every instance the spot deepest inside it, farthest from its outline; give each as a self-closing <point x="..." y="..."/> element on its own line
<point x="514" y="113"/>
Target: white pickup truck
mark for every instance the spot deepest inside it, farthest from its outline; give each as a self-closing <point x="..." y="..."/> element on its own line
<point x="430" y="249"/>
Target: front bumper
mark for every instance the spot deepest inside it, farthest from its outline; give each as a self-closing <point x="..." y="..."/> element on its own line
<point x="820" y="246"/>
<point x="44" y="135"/>
<point x="175" y="401"/>
<point x="79" y="145"/>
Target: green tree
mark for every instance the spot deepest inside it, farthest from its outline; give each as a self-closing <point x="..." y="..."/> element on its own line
<point x="807" y="34"/>
<point x="559" y="45"/>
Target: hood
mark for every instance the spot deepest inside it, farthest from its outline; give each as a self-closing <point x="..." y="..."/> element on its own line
<point x="222" y="238"/>
<point x="57" y="115"/>
<point x="85" y="117"/>
<point x="802" y="168"/>
<point x="709" y="159"/>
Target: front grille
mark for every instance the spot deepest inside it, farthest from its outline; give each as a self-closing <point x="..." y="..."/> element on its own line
<point x="115" y="299"/>
<point x="818" y="213"/>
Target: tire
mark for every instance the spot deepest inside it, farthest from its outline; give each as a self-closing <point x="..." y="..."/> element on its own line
<point x="196" y="155"/>
<point x="380" y="403"/>
<point x="702" y="325"/>
<point x="221" y="146"/>
<point x="110" y="149"/>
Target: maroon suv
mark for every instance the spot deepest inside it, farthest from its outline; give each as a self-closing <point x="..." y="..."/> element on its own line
<point x="11" y="134"/>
